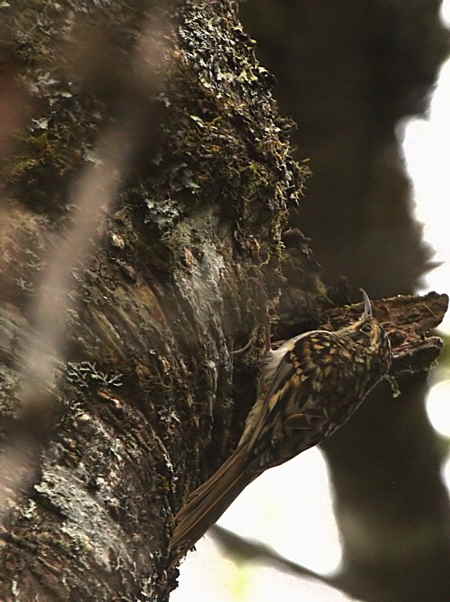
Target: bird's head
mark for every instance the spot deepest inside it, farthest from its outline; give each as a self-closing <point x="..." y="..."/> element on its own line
<point x="370" y="336"/>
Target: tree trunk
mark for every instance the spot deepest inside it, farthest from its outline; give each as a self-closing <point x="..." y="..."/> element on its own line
<point x="145" y="396"/>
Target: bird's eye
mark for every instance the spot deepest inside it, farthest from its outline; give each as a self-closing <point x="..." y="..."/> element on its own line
<point x="366" y="328"/>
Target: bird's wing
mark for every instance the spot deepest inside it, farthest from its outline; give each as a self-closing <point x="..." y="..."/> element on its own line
<point x="207" y="503"/>
<point x="266" y="404"/>
<point x="285" y="387"/>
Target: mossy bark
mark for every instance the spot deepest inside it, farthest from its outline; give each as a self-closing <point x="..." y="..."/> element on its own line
<point x="192" y="265"/>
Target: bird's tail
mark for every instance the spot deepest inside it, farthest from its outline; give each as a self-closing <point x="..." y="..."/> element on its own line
<point x="209" y="501"/>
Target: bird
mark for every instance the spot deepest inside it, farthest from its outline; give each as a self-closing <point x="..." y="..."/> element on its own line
<point x="308" y="388"/>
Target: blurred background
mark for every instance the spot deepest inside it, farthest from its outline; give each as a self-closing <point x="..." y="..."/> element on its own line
<point x="372" y="506"/>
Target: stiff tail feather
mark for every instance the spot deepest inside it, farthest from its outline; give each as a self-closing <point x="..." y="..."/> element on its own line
<point x="209" y="501"/>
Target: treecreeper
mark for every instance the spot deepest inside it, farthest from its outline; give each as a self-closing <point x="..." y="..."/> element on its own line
<point x="308" y="388"/>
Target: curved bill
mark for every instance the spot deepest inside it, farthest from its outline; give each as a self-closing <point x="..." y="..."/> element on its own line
<point x="367" y="305"/>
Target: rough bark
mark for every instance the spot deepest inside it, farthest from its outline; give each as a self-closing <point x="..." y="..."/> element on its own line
<point x="149" y="396"/>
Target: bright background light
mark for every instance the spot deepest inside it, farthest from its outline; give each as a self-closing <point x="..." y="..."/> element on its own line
<point x="445" y="13"/>
<point x="290" y="507"/>
<point x="426" y="148"/>
<point x="438" y="403"/>
<point x="446" y="473"/>
<point x="287" y="506"/>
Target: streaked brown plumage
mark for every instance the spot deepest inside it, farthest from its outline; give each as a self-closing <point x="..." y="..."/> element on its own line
<point x="309" y="387"/>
